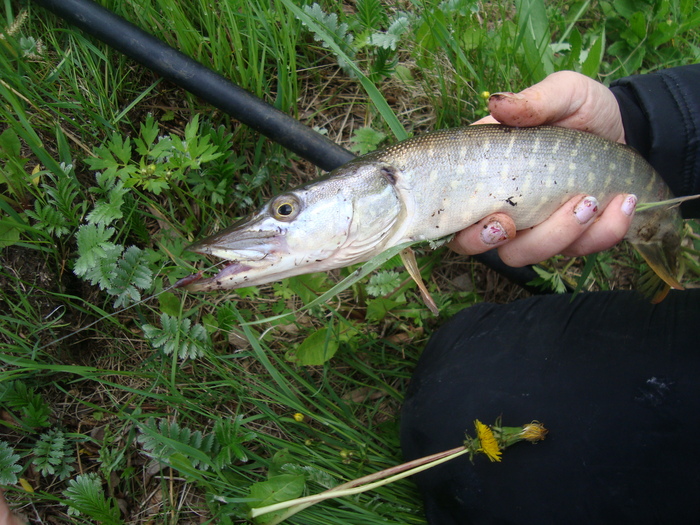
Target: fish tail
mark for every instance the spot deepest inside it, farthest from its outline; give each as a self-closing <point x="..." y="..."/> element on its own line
<point x="661" y="255"/>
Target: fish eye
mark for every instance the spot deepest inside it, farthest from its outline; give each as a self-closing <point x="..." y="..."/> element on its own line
<point x="285" y="208"/>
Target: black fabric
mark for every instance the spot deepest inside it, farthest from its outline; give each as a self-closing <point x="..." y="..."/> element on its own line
<point x="616" y="381"/>
<point x="661" y="116"/>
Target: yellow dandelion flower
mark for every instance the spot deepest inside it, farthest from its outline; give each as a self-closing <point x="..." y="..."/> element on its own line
<point x="485" y="94"/>
<point x="298" y="417"/>
<point x="487" y="440"/>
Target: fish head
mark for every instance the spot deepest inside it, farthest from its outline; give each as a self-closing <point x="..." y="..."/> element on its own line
<point x="331" y="223"/>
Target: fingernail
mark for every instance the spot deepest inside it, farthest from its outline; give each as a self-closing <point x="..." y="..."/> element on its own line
<point x="586" y="209"/>
<point x="506" y="94"/>
<point x="493" y="233"/>
<point x="629" y="205"/>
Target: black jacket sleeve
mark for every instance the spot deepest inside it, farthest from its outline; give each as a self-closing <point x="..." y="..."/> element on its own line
<point x="661" y="116"/>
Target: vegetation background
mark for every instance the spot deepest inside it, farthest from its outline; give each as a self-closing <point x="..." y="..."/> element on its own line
<point x="123" y="401"/>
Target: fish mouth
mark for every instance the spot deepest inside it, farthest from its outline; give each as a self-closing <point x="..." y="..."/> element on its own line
<point x="245" y="240"/>
<point x="251" y="249"/>
<point x="195" y="282"/>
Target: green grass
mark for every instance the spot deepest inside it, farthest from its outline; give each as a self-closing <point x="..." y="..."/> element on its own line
<point x="124" y="402"/>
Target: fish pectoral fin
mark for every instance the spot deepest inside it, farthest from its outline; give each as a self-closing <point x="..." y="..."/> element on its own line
<point x="408" y="257"/>
<point x="661" y="278"/>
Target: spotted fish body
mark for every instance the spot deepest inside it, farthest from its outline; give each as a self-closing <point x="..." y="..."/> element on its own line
<point x="434" y="185"/>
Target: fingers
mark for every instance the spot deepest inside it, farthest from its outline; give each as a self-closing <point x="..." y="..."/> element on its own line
<point x="565" y="99"/>
<point x="577" y="228"/>
<point x="488" y="233"/>
<point x="606" y="231"/>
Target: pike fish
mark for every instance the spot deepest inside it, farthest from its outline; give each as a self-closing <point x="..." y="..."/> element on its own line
<point x="433" y="185"/>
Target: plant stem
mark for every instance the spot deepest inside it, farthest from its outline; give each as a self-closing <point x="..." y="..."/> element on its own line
<point x="359" y="485"/>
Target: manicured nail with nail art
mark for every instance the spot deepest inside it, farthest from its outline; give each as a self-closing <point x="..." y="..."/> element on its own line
<point x="629" y="204"/>
<point x="586" y="209"/>
<point x="493" y="233"/>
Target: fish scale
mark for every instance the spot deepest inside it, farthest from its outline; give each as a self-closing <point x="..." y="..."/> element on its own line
<point x="434" y="185"/>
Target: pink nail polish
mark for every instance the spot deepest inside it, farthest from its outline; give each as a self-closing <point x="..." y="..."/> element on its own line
<point x="493" y="233"/>
<point x="629" y="205"/>
<point x="586" y="209"/>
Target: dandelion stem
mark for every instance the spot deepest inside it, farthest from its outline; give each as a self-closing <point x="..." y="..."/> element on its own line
<point x="359" y="485"/>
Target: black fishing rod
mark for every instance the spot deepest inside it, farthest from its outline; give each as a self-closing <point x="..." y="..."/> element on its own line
<point x="221" y="93"/>
<point x="199" y="80"/>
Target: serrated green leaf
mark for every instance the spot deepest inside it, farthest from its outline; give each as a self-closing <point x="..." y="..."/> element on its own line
<point x="155" y="186"/>
<point x="392" y="36"/>
<point x="120" y="147"/>
<point x="178" y="446"/>
<point x="192" y="129"/>
<point x="130" y="274"/>
<point x="86" y="497"/>
<point x="180" y="336"/>
<point x="9" y="466"/>
<point x="108" y="210"/>
<point x="366" y="139"/>
<point x="382" y="283"/>
<point x="53" y="454"/>
<point x="548" y="280"/>
<point x="149" y="132"/>
<point x="102" y="160"/>
<point x="93" y="245"/>
<point x="101" y="272"/>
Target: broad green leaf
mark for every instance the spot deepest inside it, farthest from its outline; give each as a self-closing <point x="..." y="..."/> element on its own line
<point x="534" y="37"/>
<point x="316" y="349"/>
<point x="169" y="303"/>
<point x="591" y="66"/>
<point x="277" y="489"/>
<point x="10" y="145"/>
<point x="378" y="308"/>
<point x="307" y="286"/>
<point x="9" y="234"/>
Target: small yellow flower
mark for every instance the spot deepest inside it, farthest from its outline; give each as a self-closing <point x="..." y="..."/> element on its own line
<point x="26" y="485"/>
<point x="489" y="445"/>
<point x="485" y="94"/>
<point x="298" y="417"/>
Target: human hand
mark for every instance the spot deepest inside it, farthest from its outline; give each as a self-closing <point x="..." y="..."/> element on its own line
<point x="569" y="100"/>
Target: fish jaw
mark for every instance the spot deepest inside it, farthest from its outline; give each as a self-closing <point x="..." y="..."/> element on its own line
<point x="250" y="248"/>
<point x="259" y="252"/>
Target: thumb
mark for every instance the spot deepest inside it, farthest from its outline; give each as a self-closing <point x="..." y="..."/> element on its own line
<point x="564" y="98"/>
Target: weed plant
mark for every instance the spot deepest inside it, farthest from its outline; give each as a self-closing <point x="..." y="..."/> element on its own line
<point x="126" y="402"/>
